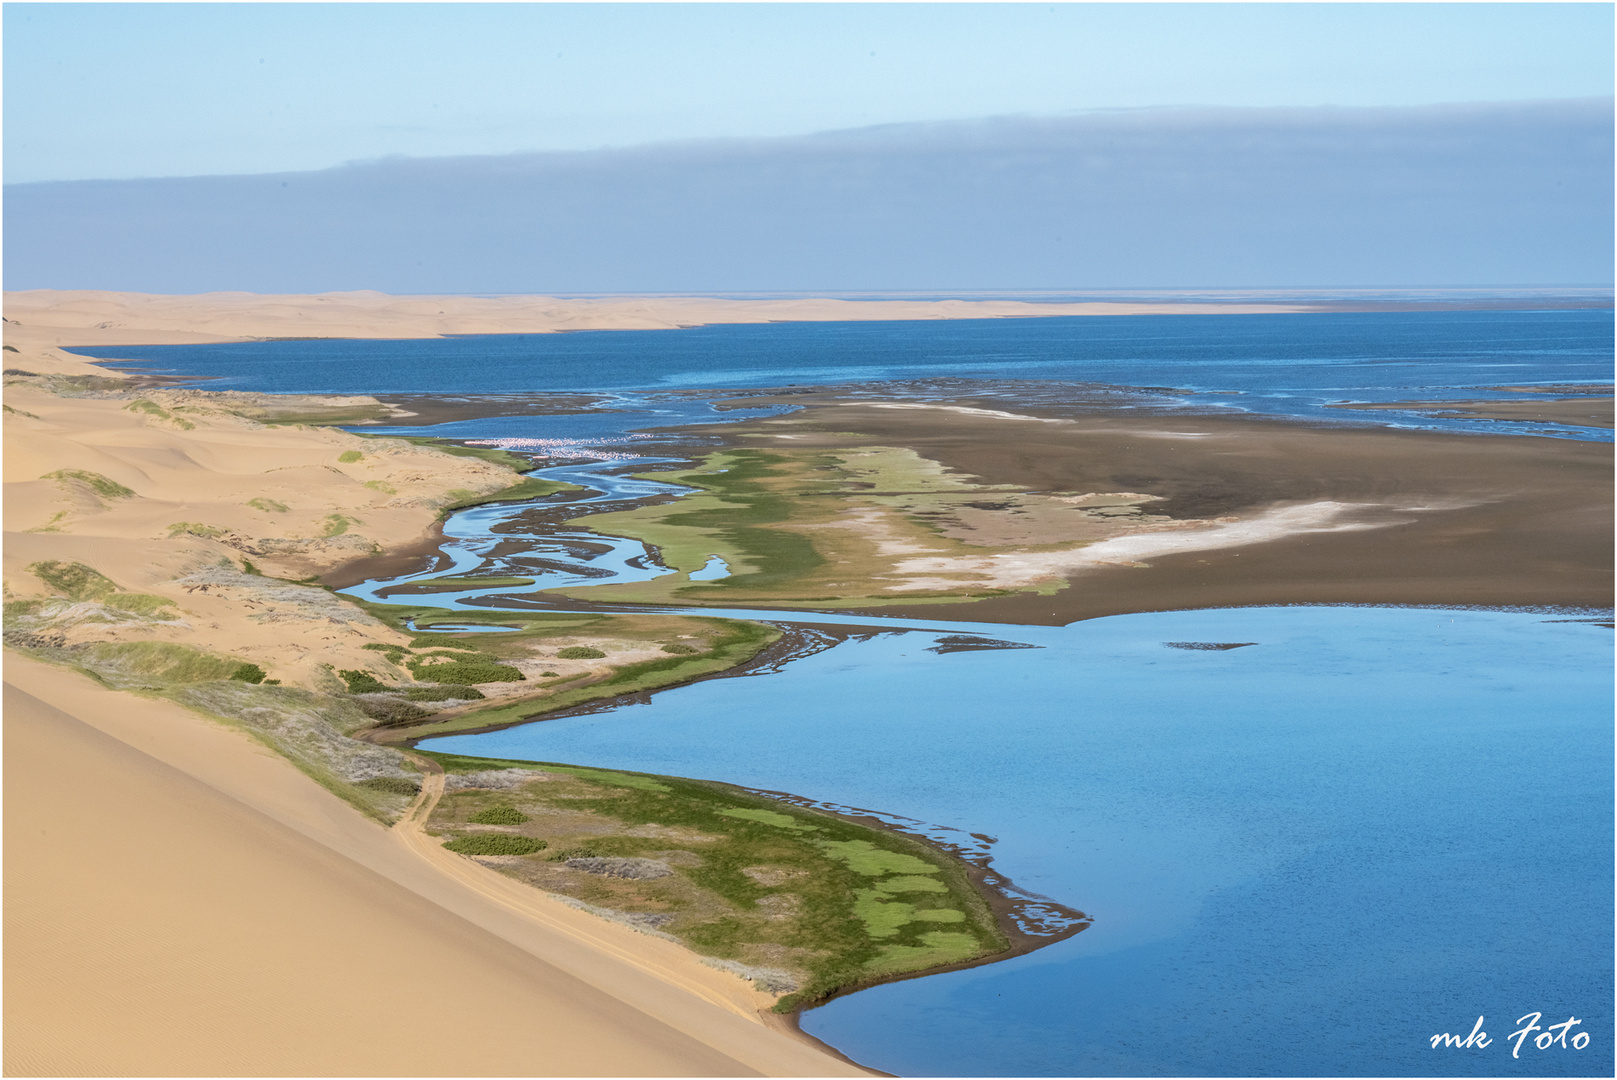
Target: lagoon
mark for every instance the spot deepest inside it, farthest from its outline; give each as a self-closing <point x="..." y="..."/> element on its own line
<point x="1304" y="856"/>
<point x="1287" y="365"/>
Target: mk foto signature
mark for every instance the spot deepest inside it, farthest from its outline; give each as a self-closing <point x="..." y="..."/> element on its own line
<point x="1554" y="1035"/>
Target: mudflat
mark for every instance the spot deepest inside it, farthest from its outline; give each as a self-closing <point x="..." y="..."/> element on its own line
<point x="1592" y="411"/>
<point x="1446" y="518"/>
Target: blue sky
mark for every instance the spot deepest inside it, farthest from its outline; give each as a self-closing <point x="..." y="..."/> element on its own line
<point x="107" y="91"/>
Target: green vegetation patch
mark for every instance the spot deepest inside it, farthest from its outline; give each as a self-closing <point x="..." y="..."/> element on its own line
<point x="268" y="506"/>
<point x="807" y="899"/>
<point x="495" y="844"/>
<point x="444" y="693"/>
<point x="579" y="652"/>
<point x="768" y="817"/>
<point x="140" y="603"/>
<point x="733" y="642"/>
<point x="394" y="653"/>
<point x="337" y="524"/>
<point x="465" y="672"/>
<point x="499" y="815"/>
<point x="194" y="528"/>
<point x="680" y="649"/>
<point x="362" y="682"/>
<point x="348" y="457"/>
<point x="162" y="662"/>
<point x="863" y="857"/>
<point x="73" y="580"/>
<point x="392" y="785"/>
<point x="151" y="408"/>
<point x="102" y="486"/>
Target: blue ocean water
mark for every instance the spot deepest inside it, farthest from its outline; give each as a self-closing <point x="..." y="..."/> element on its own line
<point x="1283" y="364"/>
<point x="1305" y="856"/>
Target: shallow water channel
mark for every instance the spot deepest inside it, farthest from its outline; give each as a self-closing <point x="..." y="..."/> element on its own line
<point x="1311" y="838"/>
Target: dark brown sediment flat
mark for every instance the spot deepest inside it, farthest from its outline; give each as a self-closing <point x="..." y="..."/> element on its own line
<point x="1464" y="520"/>
<point x="412" y="558"/>
<point x="1516" y="521"/>
<point x="1577" y="412"/>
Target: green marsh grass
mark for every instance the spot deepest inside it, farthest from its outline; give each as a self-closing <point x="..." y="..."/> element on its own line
<point x="843" y="903"/>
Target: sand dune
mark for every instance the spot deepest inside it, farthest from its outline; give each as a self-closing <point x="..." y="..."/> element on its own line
<point x="157" y="498"/>
<point x="180" y="902"/>
<point x="49" y="317"/>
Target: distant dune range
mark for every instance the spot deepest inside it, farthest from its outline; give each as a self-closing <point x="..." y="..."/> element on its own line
<point x="178" y="900"/>
<point x="51" y="318"/>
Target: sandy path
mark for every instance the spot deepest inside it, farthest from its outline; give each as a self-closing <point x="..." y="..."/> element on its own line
<point x="179" y="901"/>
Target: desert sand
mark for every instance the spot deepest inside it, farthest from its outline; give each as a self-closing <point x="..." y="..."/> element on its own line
<point x="49" y="317"/>
<point x="200" y="490"/>
<point x="181" y="902"/>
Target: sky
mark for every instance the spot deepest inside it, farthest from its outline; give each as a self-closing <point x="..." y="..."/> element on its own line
<point x="111" y="91"/>
<point x="827" y="148"/>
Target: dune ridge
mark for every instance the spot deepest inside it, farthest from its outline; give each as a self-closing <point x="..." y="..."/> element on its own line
<point x="273" y="930"/>
<point x="51" y="317"/>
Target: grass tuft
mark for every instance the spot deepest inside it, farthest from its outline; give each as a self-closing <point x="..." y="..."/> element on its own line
<point x="105" y="487"/>
<point x="73" y="580"/>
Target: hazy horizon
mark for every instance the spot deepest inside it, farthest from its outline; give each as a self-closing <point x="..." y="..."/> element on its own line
<point x="1468" y="195"/>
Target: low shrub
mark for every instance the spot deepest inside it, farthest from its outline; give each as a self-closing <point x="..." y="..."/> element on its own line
<point x="443" y="693"/>
<point x="466" y="672"/>
<point x="391" y="712"/>
<point x="499" y="815"/>
<point x="680" y="649"/>
<point x="248" y="673"/>
<point x="348" y="457"/>
<point x="362" y="682"/>
<point x="574" y="853"/>
<point x="394" y="653"/>
<point x="495" y="844"/>
<point x="392" y="785"/>
<point x="580" y="652"/>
